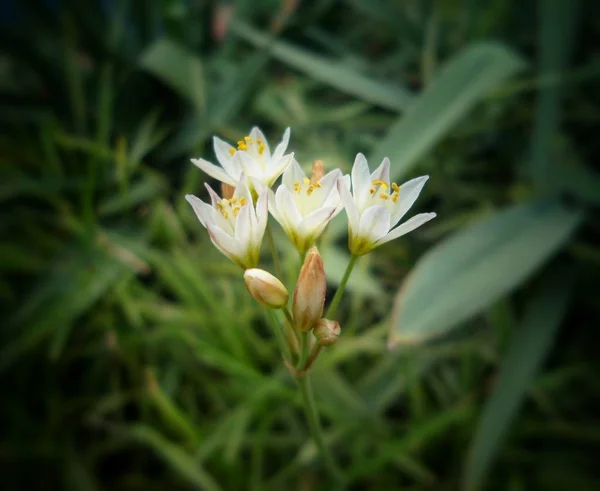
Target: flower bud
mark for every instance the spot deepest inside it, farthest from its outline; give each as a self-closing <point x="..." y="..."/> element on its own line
<point x="227" y="190"/>
<point x="327" y="331"/>
<point x="318" y="171"/>
<point x="309" y="295"/>
<point x="265" y="288"/>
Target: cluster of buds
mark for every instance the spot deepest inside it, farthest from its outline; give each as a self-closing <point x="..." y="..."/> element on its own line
<point x="303" y="206"/>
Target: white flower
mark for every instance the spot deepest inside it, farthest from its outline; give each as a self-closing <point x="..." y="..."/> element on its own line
<point x="252" y="157"/>
<point x="304" y="208"/>
<point x="375" y="207"/>
<point x="236" y="227"/>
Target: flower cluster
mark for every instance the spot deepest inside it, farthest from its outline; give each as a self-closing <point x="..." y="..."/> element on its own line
<point x="303" y="206"/>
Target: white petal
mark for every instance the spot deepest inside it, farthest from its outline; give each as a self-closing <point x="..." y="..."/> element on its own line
<point x="409" y="192"/>
<point x="407" y="227"/>
<point x="273" y="206"/>
<point x="329" y="183"/>
<point x="201" y="209"/>
<point x="243" y="226"/>
<point x="382" y="173"/>
<point x="214" y="197"/>
<point x="287" y="208"/>
<point x="224" y="156"/>
<point x="313" y="224"/>
<point x="225" y="243"/>
<point x="256" y="134"/>
<point x="214" y="171"/>
<point x="349" y="205"/>
<point x="361" y="181"/>
<point x="293" y="174"/>
<point x="242" y="190"/>
<point x="374" y="223"/>
<point x="250" y="166"/>
<point x="282" y="147"/>
<point x="277" y="169"/>
<point x="262" y="215"/>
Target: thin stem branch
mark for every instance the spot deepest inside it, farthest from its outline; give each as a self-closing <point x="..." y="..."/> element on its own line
<point x="340" y="291"/>
<point x="314" y="424"/>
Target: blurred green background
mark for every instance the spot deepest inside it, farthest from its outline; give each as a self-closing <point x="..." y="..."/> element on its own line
<point x="131" y="355"/>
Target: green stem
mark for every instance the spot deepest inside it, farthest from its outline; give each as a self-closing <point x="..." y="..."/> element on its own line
<point x="314" y="424"/>
<point x="283" y="345"/>
<point x="340" y="291"/>
<point x="274" y="252"/>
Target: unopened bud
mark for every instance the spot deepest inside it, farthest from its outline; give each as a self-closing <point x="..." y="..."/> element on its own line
<point x="265" y="288"/>
<point x="318" y="171"/>
<point x="227" y="190"/>
<point x="327" y="331"/>
<point x="309" y="295"/>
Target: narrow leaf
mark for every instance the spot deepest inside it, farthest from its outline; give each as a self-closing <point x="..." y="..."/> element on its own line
<point x="528" y="349"/>
<point x="460" y="85"/>
<point x="469" y="271"/>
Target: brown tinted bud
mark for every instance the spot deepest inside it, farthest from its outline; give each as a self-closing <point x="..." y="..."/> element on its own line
<point x="309" y="295"/>
<point x="265" y="288"/>
<point x="318" y="171"/>
<point x="227" y="190"/>
<point x="327" y="331"/>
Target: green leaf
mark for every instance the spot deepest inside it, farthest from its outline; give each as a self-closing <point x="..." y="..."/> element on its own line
<point x="469" y="271"/>
<point x="460" y="85"/>
<point x="528" y="349"/>
<point x="555" y="38"/>
<point x="329" y="71"/>
<point x="176" y="67"/>
<point x="181" y="462"/>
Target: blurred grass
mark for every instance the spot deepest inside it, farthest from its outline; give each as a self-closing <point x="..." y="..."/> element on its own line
<point x="131" y="355"/>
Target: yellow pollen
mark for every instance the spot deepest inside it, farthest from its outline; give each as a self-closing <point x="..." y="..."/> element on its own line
<point x="248" y="139"/>
<point x="384" y="196"/>
<point x="395" y="187"/>
<point x="372" y="191"/>
<point x="261" y="146"/>
<point x="242" y="201"/>
<point x="395" y="197"/>
<point x="317" y="184"/>
<point x="297" y="187"/>
<point x="233" y="200"/>
<point x="382" y="184"/>
<point x="242" y="145"/>
<point x="306" y="180"/>
<point x="224" y="213"/>
<point x="310" y="190"/>
<point x="231" y="151"/>
<point x="236" y="210"/>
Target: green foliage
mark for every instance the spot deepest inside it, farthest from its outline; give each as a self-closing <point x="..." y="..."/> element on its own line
<point x="131" y="355"/>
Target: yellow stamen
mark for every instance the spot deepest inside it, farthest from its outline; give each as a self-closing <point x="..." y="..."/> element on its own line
<point x="297" y="187"/>
<point x="395" y="187"/>
<point x="382" y="184"/>
<point x="261" y="146"/>
<point x="242" y="145"/>
<point x="395" y="197"/>
<point x="232" y="151"/>
<point x="242" y="201"/>
<point x="248" y="139"/>
<point x="225" y="214"/>
<point x="236" y="210"/>
<point x="317" y="184"/>
<point x="233" y="200"/>
<point x="372" y="191"/>
<point x="306" y="180"/>
<point x="310" y="190"/>
<point x="384" y="196"/>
